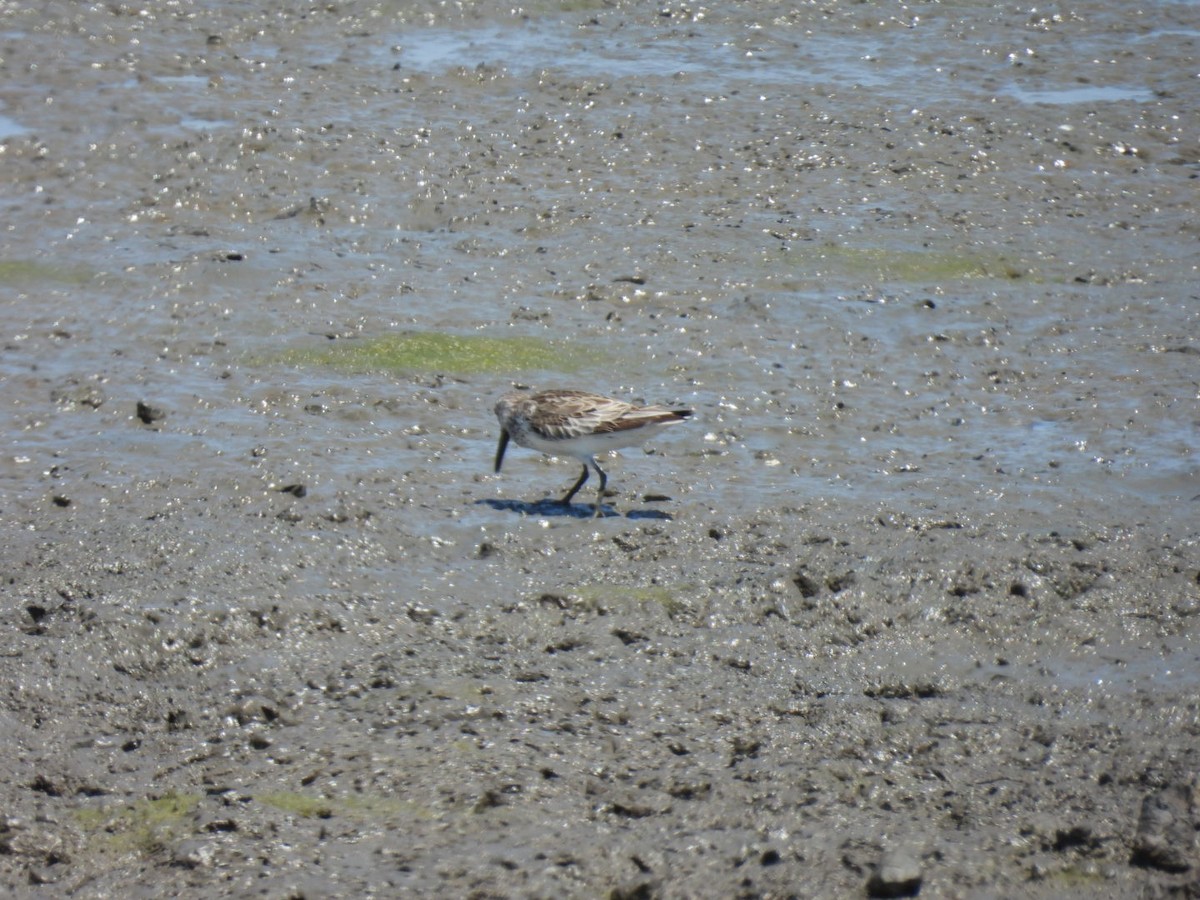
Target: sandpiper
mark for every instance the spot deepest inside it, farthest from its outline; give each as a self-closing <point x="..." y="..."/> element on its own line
<point x="578" y="424"/>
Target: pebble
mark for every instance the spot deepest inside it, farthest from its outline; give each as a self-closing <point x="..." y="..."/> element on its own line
<point x="897" y="875"/>
<point x="1167" y="828"/>
<point x="148" y="414"/>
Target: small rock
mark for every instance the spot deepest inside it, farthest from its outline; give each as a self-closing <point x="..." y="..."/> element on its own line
<point x="194" y="854"/>
<point x="149" y="414"/>
<point x="40" y="875"/>
<point x="1167" y="829"/>
<point x="634" y="890"/>
<point x="897" y="875"/>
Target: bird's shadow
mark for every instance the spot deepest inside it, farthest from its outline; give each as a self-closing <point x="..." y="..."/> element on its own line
<point x="550" y="507"/>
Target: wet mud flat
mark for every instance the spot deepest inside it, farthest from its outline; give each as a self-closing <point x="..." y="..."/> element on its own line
<point x="799" y="702"/>
<point x="911" y="607"/>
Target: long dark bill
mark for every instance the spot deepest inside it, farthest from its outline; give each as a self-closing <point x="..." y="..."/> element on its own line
<point x="501" y="448"/>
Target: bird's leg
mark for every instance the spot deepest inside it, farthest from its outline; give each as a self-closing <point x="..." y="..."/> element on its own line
<point x="576" y="486"/>
<point x="600" y="490"/>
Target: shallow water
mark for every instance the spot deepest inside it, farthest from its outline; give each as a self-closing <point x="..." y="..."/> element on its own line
<point x="814" y="374"/>
<point x="807" y="236"/>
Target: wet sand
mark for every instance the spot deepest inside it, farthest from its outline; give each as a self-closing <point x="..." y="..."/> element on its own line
<point x="912" y="605"/>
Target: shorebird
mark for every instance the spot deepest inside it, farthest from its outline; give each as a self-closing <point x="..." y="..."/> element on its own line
<point x="578" y="424"/>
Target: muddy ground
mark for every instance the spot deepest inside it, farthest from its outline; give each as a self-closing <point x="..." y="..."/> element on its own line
<point x="913" y="606"/>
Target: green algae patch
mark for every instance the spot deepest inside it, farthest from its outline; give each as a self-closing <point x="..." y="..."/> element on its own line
<point x="608" y="599"/>
<point x="879" y="264"/>
<point x="297" y="804"/>
<point x="22" y="273"/>
<point x="358" y="806"/>
<point x="439" y="351"/>
<point x="377" y="808"/>
<point x="1075" y="879"/>
<point x="144" y="827"/>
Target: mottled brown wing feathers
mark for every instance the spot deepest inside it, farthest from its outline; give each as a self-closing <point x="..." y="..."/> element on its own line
<point x="564" y="414"/>
<point x="641" y="417"/>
